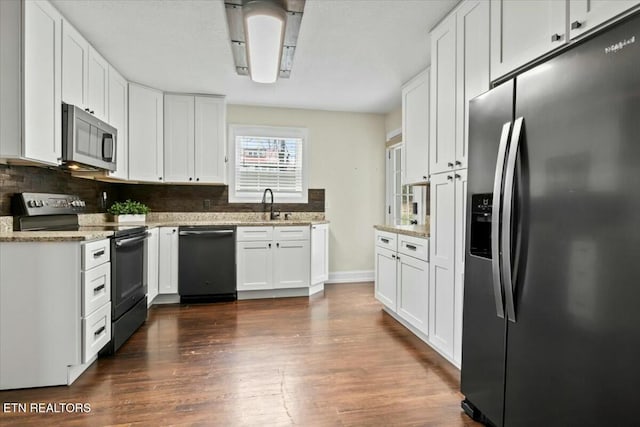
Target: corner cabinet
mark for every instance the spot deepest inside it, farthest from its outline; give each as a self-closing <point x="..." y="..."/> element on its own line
<point x="168" y="260"/>
<point x="146" y="143"/>
<point x="30" y="88"/>
<point x="459" y="72"/>
<point x="118" y="114"/>
<point x="415" y="129"/>
<point x="194" y="141"/>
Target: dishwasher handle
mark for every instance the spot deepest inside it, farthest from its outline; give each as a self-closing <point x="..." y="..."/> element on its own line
<point x="206" y="232"/>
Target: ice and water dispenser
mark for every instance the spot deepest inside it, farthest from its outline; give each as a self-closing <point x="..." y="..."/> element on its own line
<point x="480" y="232"/>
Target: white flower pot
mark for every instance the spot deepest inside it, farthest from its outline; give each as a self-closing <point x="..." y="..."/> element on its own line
<point x="129" y="218"/>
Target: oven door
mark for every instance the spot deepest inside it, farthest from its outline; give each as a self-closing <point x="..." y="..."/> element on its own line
<point x="127" y="272"/>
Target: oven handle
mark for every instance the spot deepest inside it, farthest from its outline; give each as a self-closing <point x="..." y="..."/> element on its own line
<point x="200" y="233"/>
<point x="123" y="243"/>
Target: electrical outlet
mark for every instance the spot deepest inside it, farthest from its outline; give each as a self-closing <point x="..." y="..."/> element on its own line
<point x="207" y="204"/>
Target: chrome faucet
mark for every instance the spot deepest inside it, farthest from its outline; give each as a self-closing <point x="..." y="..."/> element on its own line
<point x="272" y="214"/>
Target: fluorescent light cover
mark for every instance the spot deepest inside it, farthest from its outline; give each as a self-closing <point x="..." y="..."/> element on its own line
<point x="264" y="45"/>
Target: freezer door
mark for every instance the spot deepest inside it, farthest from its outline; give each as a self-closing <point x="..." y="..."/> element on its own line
<point x="573" y="348"/>
<point x="483" y="334"/>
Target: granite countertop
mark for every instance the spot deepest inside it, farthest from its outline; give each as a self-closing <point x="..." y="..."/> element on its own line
<point x="53" y="236"/>
<point x="61" y="236"/>
<point x="421" y="230"/>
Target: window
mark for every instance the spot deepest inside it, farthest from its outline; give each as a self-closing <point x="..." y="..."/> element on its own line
<point x="268" y="157"/>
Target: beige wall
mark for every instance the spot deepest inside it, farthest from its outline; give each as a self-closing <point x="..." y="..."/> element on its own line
<point x="393" y="120"/>
<point x="346" y="161"/>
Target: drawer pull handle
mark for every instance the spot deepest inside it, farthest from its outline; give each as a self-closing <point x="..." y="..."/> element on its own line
<point x="98" y="254"/>
<point x="98" y="289"/>
<point x="99" y="331"/>
<point x="413" y="248"/>
<point x="384" y="240"/>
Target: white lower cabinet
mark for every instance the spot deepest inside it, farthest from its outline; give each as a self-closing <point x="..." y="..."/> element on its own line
<point x="168" y="260"/>
<point x="402" y="277"/>
<point x="319" y="253"/>
<point x="153" y="252"/>
<point x="269" y="258"/>
<point x="71" y="288"/>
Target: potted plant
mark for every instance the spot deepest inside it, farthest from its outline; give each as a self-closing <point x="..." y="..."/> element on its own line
<point x="128" y="211"/>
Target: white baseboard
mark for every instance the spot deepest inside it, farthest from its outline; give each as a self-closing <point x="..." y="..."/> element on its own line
<point x="351" y="276"/>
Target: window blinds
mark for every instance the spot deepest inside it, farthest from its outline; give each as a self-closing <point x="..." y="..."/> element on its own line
<point x="268" y="162"/>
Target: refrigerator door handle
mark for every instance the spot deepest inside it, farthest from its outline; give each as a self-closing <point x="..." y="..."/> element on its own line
<point x="507" y="218"/>
<point x="495" y="220"/>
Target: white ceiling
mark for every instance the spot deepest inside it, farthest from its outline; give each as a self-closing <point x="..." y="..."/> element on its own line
<point x="352" y="55"/>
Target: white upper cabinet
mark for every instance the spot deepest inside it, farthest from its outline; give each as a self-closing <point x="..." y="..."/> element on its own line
<point x="178" y="138"/>
<point x="443" y="96"/>
<point x="75" y="60"/>
<point x="118" y="113"/>
<point x="585" y="15"/>
<point x="97" y="85"/>
<point x="146" y="151"/>
<point x="42" y="80"/>
<point x="459" y="72"/>
<point x="472" y="50"/>
<point x="523" y="30"/>
<point x="194" y="139"/>
<point x="85" y="74"/>
<point x="210" y="140"/>
<point x="415" y="128"/>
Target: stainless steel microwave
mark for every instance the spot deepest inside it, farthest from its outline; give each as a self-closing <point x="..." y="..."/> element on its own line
<point x="88" y="143"/>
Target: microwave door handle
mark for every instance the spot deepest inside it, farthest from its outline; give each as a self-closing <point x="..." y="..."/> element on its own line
<point x="108" y="147"/>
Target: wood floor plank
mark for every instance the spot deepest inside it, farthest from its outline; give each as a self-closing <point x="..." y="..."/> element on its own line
<point x="331" y="360"/>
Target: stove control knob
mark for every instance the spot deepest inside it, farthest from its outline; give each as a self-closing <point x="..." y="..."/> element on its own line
<point x="39" y="203"/>
<point x="82" y="203"/>
<point x="31" y="204"/>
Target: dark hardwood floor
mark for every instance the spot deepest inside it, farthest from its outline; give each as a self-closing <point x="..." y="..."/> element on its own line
<point x="333" y="359"/>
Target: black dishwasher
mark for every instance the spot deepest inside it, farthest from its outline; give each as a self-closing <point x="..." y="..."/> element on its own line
<point x="207" y="264"/>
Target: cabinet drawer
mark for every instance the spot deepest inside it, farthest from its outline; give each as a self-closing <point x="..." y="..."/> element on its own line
<point x="245" y="234"/>
<point x="96" y="288"/>
<point x="413" y="246"/>
<point x="387" y="240"/>
<point x="96" y="331"/>
<point x="291" y="233"/>
<point x="95" y="253"/>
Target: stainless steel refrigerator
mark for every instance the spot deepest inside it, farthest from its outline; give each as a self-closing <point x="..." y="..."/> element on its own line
<point x="551" y="325"/>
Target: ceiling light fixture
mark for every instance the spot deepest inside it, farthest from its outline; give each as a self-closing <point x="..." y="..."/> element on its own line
<point x="264" y="36"/>
<point x="264" y="23"/>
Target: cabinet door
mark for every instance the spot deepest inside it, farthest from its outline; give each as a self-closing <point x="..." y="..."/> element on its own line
<point x="75" y="59"/>
<point x="473" y="79"/>
<point x="441" y="275"/>
<point x="385" y="277"/>
<point x="168" y="259"/>
<point x="42" y="56"/>
<point x="443" y="96"/>
<point x="118" y="109"/>
<point x="415" y="129"/>
<point x="210" y="141"/>
<point x="460" y="183"/>
<point x="585" y="15"/>
<point x="178" y="138"/>
<point x="291" y="264"/>
<point x="254" y="263"/>
<point x="523" y="30"/>
<point x="413" y="292"/>
<point x="146" y="155"/>
<point x="319" y="253"/>
<point x="97" y="85"/>
<point x="153" y="252"/>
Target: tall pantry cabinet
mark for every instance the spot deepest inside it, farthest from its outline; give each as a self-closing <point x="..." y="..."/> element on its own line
<point x="459" y="72"/>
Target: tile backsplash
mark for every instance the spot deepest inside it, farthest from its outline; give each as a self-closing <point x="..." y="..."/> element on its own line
<point x="159" y="197"/>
